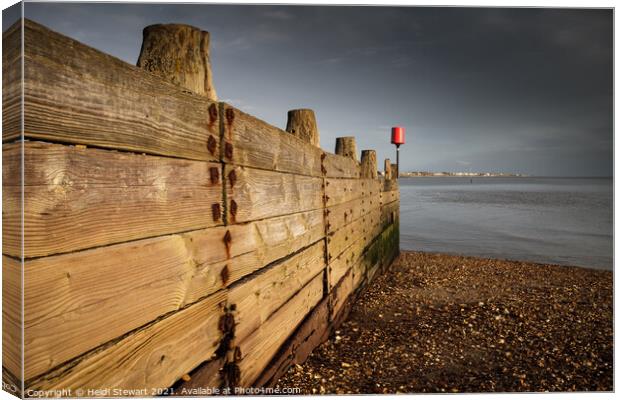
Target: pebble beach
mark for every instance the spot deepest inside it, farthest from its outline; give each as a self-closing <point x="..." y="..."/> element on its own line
<point x="437" y="323"/>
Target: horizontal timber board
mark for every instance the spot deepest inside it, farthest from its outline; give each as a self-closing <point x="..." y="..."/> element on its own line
<point x="341" y="292"/>
<point x="254" y="143"/>
<point x="12" y="82"/>
<point x="77" y="198"/>
<point x="12" y="316"/>
<point x="153" y="357"/>
<point x="74" y="93"/>
<point x="351" y="252"/>
<point x="343" y="190"/>
<point x="77" y="301"/>
<point x="364" y="228"/>
<point x="313" y="331"/>
<point x="260" y="347"/>
<point x="259" y="194"/>
<point x="337" y="166"/>
<point x="342" y="214"/>
<point x="257" y="297"/>
<point x="389" y="197"/>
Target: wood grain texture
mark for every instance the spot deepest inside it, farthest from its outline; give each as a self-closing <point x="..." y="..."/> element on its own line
<point x="260" y="347"/>
<point x="301" y="123"/>
<point x="179" y="54"/>
<point x="257" y="297"/>
<point x="343" y="214"/>
<point x="155" y="356"/>
<point x="77" y="301"/>
<point x="260" y="145"/>
<point x="346" y="146"/>
<point x="364" y="228"/>
<point x="12" y="82"/>
<point x="313" y="331"/>
<point x="337" y="166"/>
<point x="259" y="194"/>
<point x="78" y="198"/>
<point x="347" y="244"/>
<point x="343" y="190"/>
<point x="76" y="94"/>
<point x="12" y="317"/>
<point x="341" y="292"/>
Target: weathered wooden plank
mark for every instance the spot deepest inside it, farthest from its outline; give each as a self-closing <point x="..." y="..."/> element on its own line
<point x="363" y="228"/>
<point x="74" y="93"/>
<point x="153" y="357"/>
<point x="77" y="301"/>
<point x="313" y="331"/>
<point x="343" y="214"/>
<point x="260" y="347"/>
<point x="78" y="198"/>
<point x="337" y="166"/>
<point x="12" y="82"/>
<point x="256" y="194"/>
<point x="343" y="190"/>
<point x="254" y="143"/>
<point x="390" y="196"/>
<point x="341" y="292"/>
<point x="12" y="317"/>
<point x="390" y="185"/>
<point x="390" y="212"/>
<point x="257" y="297"/>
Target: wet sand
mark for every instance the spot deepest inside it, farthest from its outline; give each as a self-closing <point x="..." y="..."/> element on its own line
<point x="442" y="323"/>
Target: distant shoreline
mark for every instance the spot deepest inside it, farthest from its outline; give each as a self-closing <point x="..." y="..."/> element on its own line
<point x="416" y="174"/>
<point x="505" y="176"/>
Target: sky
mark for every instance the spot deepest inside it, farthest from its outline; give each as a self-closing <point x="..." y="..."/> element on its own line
<point x="477" y="89"/>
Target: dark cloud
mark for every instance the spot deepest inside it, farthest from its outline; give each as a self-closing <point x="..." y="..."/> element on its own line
<point x="525" y="90"/>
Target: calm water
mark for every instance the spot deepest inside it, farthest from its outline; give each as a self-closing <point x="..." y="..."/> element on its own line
<point x="549" y="220"/>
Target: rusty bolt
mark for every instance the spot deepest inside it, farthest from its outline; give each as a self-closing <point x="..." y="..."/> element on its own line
<point x="237" y="355"/>
<point x="225" y="275"/>
<point x="211" y="145"/>
<point x="228" y="150"/>
<point x="212" y="113"/>
<point x="233" y="208"/>
<point x="232" y="177"/>
<point x="228" y="242"/>
<point x="214" y="174"/>
<point x="216" y="211"/>
<point x="230" y="116"/>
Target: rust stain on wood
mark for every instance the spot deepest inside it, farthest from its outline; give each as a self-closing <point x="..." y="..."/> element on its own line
<point x="225" y="275"/>
<point x="232" y="178"/>
<point x="228" y="243"/>
<point x="211" y="145"/>
<point x="230" y="119"/>
<point x="228" y="150"/>
<point x="212" y="117"/>
<point x="214" y="175"/>
<point x="216" y="211"/>
<point x="233" y="209"/>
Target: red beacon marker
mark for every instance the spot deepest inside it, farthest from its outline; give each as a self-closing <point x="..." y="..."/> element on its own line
<point x="398" y="135"/>
<point x="398" y="138"/>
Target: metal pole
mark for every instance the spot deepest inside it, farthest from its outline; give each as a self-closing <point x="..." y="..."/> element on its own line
<point x="397" y="161"/>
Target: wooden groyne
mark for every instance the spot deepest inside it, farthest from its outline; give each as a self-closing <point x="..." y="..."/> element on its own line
<point x="169" y="241"/>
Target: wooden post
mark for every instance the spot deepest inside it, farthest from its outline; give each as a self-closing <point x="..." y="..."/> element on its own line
<point x="345" y="146"/>
<point x="302" y="124"/>
<point x="180" y="54"/>
<point x="387" y="169"/>
<point x="394" y="171"/>
<point x="369" y="164"/>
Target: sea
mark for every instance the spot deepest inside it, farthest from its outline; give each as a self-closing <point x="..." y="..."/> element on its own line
<point x="567" y="221"/>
